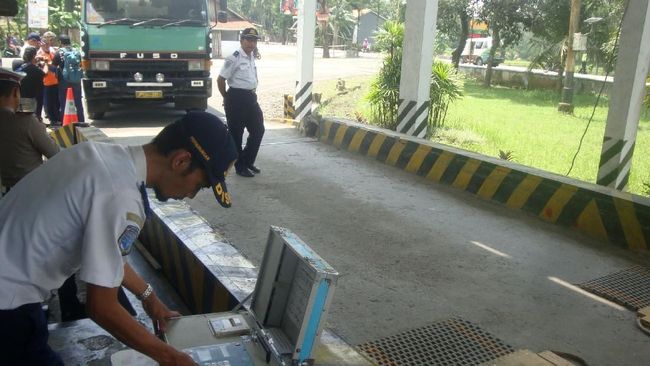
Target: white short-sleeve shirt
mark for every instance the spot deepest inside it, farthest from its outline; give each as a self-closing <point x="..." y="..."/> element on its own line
<point x="240" y="71"/>
<point x="71" y="214"/>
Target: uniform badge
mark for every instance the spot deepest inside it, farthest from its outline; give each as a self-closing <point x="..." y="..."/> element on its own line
<point x="127" y="239"/>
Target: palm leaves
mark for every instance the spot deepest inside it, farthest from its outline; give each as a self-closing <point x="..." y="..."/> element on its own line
<point x="384" y="90"/>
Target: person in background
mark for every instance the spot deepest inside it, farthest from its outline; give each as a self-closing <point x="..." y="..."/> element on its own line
<point x="97" y="193"/>
<point x="50" y="81"/>
<point x="68" y="63"/>
<point x="240" y="101"/>
<point x="32" y="84"/>
<point x="23" y="138"/>
<point x="34" y="40"/>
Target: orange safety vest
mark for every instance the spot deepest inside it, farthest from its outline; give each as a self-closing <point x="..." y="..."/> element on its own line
<point x="50" y="78"/>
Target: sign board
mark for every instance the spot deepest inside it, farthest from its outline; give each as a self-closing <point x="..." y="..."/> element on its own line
<point x="37" y="13"/>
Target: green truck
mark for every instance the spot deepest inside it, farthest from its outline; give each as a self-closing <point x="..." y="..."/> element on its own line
<point x="146" y="50"/>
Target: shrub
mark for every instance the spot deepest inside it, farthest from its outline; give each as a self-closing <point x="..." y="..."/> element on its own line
<point x="445" y="88"/>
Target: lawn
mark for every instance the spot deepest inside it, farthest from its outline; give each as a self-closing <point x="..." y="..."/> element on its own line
<point x="524" y="123"/>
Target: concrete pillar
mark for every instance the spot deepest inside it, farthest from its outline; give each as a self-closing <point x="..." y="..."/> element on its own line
<point x="626" y="96"/>
<point x="305" y="77"/>
<point x="417" y="59"/>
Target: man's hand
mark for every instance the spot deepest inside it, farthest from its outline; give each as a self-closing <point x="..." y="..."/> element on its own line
<point x="158" y="312"/>
<point x="178" y="359"/>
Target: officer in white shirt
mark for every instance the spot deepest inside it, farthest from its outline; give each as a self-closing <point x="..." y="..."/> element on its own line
<point x="97" y="193"/>
<point x="240" y="101"/>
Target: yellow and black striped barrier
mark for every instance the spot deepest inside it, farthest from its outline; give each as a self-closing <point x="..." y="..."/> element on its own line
<point x="65" y="136"/>
<point x="289" y="109"/>
<point x="619" y="218"/>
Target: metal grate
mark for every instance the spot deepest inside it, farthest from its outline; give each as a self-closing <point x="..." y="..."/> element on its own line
<point x="630" y="287"/>
<point x="450" y="342"/>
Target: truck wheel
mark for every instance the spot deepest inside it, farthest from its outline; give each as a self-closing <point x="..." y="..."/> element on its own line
<point x="479" y="62"/>
<point x="97" y="108"/>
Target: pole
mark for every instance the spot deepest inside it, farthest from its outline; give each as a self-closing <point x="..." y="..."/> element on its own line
<point x="566" y="105"/>
<point x="626" y="97"/>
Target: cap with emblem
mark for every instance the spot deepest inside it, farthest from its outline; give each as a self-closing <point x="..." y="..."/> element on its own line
<point x="34" y="36"/>
<point x="7" y="75"/>
<point x="250" y="33"/>
<point x="214" y="147"/>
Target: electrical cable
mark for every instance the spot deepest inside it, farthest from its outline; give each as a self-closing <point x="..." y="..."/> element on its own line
<point x="602" y="87"/>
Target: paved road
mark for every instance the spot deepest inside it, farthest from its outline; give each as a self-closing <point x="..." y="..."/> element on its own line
<point x="411" y="252"/>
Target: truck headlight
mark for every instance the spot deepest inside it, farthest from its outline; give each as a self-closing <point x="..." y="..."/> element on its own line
<point x="101" y="65"/>
<point x="195" y="65"/>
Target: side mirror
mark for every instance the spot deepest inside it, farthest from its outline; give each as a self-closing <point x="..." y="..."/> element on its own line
<point x="8" y="8"/>
<point x="222" y="17"/>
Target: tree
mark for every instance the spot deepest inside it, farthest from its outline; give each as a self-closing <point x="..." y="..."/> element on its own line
<point x="323" y="26"/>
<point x="341" y="21"/>
<point x="60" y="19"/>
<point x="506" y="19"/>
<point x="453" y="19"/>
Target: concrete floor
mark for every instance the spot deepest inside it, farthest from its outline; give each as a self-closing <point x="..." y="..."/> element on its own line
<point x="410" y="253"/>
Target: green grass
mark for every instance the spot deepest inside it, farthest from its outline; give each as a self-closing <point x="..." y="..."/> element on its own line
<point x="524" y="123"/>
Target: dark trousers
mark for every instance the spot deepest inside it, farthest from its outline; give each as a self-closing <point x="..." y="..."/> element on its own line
<point x="73" y="309"/>
<point x="23" y="337"/>
<point x="76" y="89"/>
<point x="243" y="111"/>
<point x="39" y="106"/>
<point x="52" y="103"/>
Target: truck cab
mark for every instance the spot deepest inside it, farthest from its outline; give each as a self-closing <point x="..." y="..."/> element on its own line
<point x="145" y="50"/>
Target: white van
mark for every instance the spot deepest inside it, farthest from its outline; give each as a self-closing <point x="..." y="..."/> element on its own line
<point x="474" y="50"/>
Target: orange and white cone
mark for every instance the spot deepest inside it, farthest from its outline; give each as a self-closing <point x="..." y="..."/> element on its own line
<point x="70" y="112"/>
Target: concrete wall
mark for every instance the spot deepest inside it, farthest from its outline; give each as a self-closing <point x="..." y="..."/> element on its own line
<point x="536" y="79"/>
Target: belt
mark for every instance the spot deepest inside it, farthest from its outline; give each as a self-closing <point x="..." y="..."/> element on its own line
<point x="252" y="91"/>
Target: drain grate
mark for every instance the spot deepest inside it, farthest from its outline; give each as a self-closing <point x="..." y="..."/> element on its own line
<point x="630" y="287"/>
<point x="451" y="342"/>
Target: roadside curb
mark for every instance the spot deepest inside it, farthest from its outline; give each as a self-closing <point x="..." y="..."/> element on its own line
<point x="619" y="218"/>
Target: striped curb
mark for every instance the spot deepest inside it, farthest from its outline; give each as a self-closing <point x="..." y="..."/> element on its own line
<point x="620" y="218"/>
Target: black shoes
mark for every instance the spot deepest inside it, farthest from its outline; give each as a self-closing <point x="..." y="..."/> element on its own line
<point x="254" y="169"/>
<point x="244" y="172"/>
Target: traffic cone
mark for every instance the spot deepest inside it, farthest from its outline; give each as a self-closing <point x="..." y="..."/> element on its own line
<point x="70" y="111"/>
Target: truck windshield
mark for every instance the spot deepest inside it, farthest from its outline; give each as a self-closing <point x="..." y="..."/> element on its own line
<point x="107" y="12"/>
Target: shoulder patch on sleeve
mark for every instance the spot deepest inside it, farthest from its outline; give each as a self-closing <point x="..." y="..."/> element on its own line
<point x="228" y="62"/>
<point x="128" y="237"/>
<point x="130" y="216"/>
<point x="236" y="53"/>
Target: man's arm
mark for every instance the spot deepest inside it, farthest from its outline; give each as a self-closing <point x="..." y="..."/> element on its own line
<point x="221" y="84"/>
<point x="43" y="143"/>
<point x="102" y="307"/>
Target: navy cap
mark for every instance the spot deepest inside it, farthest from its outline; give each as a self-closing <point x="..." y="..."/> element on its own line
<point x="34" y="36"/>
<point x="7" y="75"/>
<point x="250" y="33"/>
<point x="214" y="147"/>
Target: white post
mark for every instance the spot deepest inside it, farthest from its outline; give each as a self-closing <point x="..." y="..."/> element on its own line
<point x="626" y="97"/>
<point x="417" y="59"/>
<point x="305" y="77"/>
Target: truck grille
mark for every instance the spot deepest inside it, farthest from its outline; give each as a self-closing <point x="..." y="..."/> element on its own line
<point x="145" y="66"/>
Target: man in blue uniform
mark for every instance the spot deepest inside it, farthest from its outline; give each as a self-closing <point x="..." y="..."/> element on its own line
<point x="240" y="101"/>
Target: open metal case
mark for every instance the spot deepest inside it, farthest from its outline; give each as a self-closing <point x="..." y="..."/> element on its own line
<point x="292" y="296"/>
